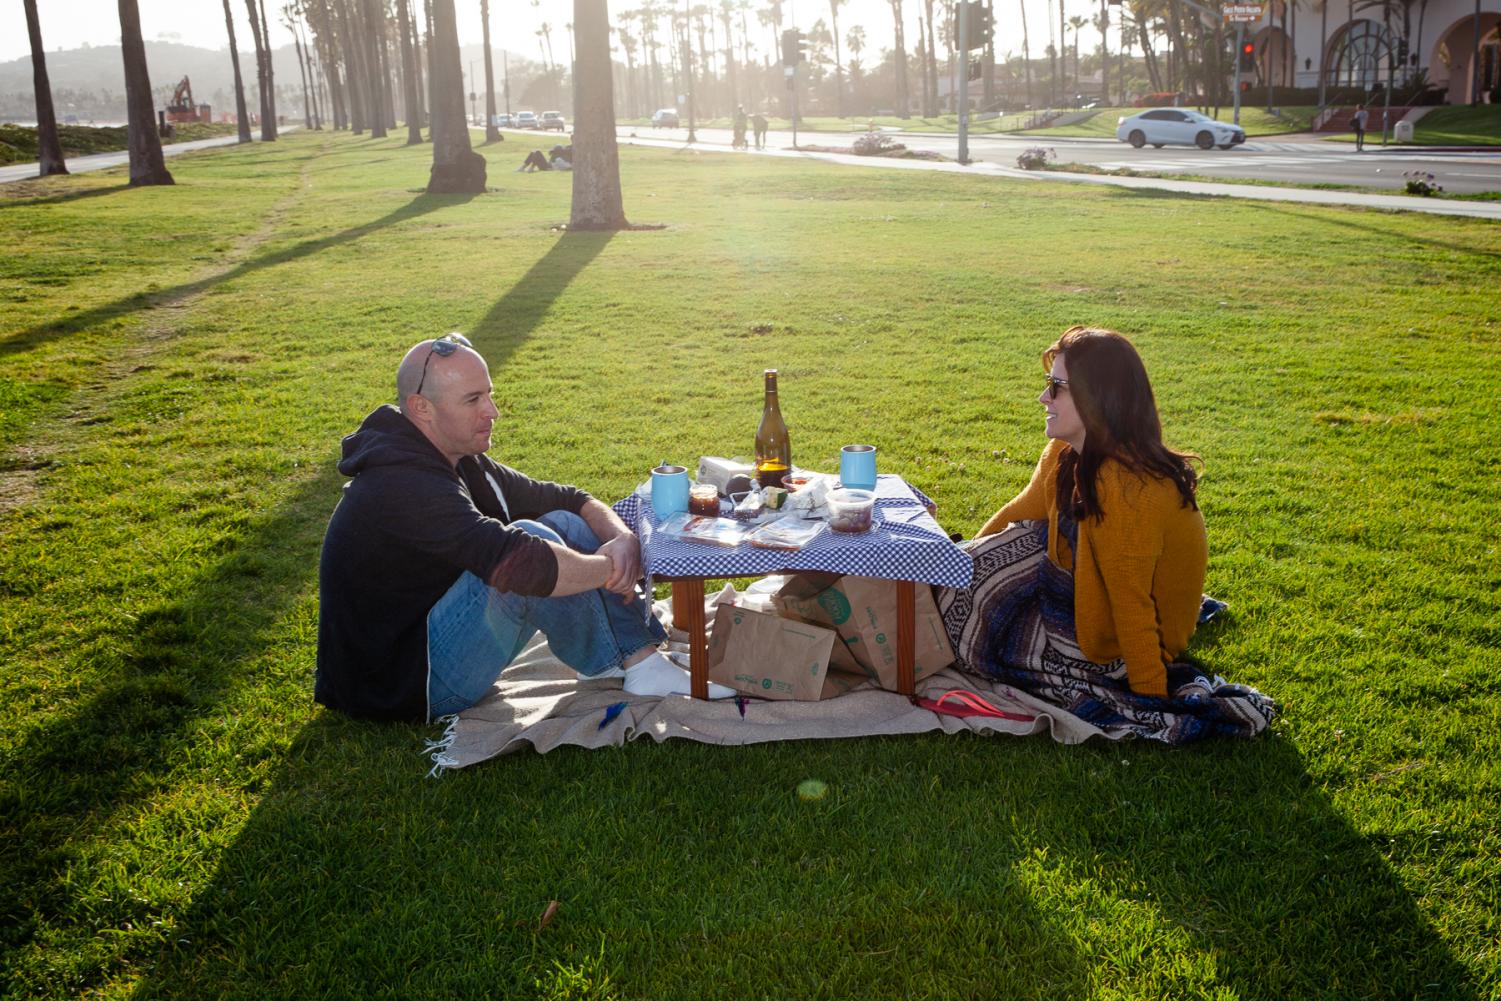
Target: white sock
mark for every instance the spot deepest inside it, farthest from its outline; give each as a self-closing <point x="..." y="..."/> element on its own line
<point x="656" y="675"/>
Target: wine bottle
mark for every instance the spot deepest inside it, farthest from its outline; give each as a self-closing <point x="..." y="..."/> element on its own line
<point x="773" y="450"/>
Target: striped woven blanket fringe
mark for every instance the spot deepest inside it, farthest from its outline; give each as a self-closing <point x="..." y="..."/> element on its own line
<point x="1015" y="624"/>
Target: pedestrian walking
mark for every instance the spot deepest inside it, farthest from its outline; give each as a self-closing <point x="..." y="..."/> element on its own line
<point x="1358" y="122"/>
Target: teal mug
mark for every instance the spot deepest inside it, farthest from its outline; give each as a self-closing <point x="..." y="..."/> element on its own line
<point x="669" y="490"/>
<point x="857" y="466"/>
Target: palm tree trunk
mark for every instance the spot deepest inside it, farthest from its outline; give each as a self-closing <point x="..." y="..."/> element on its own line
<point x="492" y="134"/>
<point x="307" y="101"/>
<point x="838" y="62"/>
<point x="1027" y="50"/>
<point x="1103" y="23"/>
<point x="49" y="147"/>
<point x="899" y="62"/>
<point x="375" y="79"/>
<point x="147" y="165"/>
<point x="989" y="61"/>
<point x="597" y="201"/>
<point x="932" y="65"/>
<point x="413" y="101"/>
<point x="269" y="130"/>
<point x="457" y="169"/>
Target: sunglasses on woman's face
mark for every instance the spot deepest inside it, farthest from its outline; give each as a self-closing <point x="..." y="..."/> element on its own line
<point x="442" y="347"/>
<point x="1054" y="385"/>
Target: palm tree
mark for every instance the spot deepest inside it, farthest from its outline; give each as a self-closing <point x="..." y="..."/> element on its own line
<point x="1076" y="22"/>
<point x="146" y="163"/>
<point x="457" y="169"/>
<point x="49" y="147"/>
<point x="1102" y="23"/>
<point x="931" y="89"/>
<point x="854" y="40"/>
<point x="834" y="6"/>
<point x="262" y="73"/>
<point x="492" y="134"/>
<point x="899" y="59"/>
<point x="289" y="21"/>
<point x="1027" y="49"/>
<point x="242" y="118"/>
<point x="726" y="12"/>
<point x="410" y="75"/>
<point x="596" y="164"/>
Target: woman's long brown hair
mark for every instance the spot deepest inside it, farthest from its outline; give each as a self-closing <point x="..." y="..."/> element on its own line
<point x="1114" y="398"/>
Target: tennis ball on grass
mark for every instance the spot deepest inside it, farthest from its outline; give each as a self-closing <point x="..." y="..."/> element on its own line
<point x="811" y="789"/>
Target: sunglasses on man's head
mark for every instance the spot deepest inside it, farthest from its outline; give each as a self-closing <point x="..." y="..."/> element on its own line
<point x="442" y="347"/>
<point x="1054" y="385"/>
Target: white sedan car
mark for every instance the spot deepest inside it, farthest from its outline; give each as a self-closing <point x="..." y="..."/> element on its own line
<point x="1180" y="127"/>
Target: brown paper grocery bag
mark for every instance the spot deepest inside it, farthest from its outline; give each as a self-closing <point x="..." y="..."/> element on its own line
<point x="769" y="656"/>
<point x="863" y="611"/>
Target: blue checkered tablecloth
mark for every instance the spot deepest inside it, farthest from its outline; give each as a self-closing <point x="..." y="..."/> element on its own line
<point x="904" y="543"/>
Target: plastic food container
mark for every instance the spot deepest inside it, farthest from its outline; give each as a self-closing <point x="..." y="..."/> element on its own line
<point x="851" y="510"/>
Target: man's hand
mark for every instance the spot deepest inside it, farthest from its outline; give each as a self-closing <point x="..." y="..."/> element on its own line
<point x="624" y="552"/>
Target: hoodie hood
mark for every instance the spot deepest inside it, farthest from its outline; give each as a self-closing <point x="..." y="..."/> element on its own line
<point x="387" y="438"/>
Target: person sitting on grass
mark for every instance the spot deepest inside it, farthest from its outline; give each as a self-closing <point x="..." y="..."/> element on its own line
<point x="558" y="158"/>
<point x="439" y="563"/>
<point x="1089" y="583"/>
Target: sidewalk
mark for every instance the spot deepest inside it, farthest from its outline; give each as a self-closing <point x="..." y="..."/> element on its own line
<point x="102" y="161"/>
<point x="1257" y="192"/>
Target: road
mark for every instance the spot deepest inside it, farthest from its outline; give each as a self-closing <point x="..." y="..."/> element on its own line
<point x="1289" y="160"/>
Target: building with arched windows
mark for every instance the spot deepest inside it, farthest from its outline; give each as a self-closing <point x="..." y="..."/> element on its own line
<point x="1329" y="44"/>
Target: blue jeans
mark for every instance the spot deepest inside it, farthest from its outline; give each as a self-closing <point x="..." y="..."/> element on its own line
<point x="474" y="631"/>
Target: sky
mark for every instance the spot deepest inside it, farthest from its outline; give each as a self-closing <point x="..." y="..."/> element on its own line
<point x="67" y="24"/>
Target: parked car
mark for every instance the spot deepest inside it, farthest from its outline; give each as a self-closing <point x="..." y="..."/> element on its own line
<point x="553" y="120"/>
<point x="1179" y="127"/>
<point x="504" y="121"/>
<point x="665" y="118"/>
<point x="526" y="120"/>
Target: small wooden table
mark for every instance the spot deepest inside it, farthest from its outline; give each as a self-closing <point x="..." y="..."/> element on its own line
<point x="905" y="545"/>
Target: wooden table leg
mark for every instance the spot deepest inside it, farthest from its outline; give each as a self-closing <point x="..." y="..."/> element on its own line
<point x="688" y="615"/>
<point x="906" y="637"/>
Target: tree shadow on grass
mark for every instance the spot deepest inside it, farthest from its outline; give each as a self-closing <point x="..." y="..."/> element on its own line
<point x="122" y="743"/>
<point x="362" y="884"/>
<point x="1263" y="872"/>
<point x="920" y="876"/>
<point x="28" y="339"/>
<point x="19" y="199"/>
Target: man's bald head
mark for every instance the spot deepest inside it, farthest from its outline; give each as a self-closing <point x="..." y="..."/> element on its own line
<point x="422" y="368"/>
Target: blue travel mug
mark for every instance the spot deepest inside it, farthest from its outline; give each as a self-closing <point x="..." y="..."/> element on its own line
<point x="857" y="466"/>
<point x="669" y="490"/>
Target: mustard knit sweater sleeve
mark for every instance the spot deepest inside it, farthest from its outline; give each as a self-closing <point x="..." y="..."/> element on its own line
<point x="1138" y="571"/>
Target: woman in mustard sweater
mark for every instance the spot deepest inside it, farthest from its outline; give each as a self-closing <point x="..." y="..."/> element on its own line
<point x="1088" y="583"/>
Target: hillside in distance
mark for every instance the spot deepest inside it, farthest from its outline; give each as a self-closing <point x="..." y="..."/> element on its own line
<point x="89" y="82"/>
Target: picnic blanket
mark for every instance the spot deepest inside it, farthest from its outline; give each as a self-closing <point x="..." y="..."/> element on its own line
<point x="1015" y="625"/>
<point x="539" y="703"/>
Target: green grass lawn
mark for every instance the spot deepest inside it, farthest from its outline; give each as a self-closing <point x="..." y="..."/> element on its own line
<point x="178" y="364"/>
<point x="1256" y="122"/>
<point x="1460" y="126"/>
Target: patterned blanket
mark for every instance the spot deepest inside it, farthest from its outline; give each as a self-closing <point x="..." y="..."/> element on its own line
<point x="1015" y="624"/>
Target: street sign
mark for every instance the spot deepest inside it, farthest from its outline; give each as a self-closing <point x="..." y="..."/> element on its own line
<point x="1244" y="13"/>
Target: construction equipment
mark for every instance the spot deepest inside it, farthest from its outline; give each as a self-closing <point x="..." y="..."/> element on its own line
<point x="182" y="108"/>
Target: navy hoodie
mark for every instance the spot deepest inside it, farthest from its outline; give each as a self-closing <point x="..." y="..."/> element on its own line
<point x="409" y="524"/>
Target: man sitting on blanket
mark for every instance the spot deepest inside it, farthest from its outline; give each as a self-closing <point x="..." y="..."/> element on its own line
<point x="439" y="563"/>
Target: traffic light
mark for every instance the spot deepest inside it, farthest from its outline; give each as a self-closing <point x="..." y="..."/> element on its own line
<point x="792" y="47"/>
<point x="976" y="69"/>
<point x="1248" y="57"/>
<point x="981" y="27"/>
